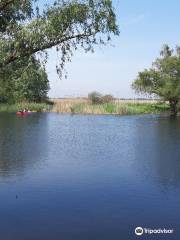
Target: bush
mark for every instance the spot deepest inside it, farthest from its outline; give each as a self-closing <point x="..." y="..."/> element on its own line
<point x="95" y="97"/>
<point x="107" y="98"/>
<point x="98" y="98"/>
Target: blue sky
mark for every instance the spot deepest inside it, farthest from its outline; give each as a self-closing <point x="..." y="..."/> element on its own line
<point x="145" y="26"/>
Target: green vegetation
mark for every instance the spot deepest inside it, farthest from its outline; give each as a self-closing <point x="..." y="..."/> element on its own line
<point x="95" y="97"/>
<point x="118" y="108"/>
<point x="37" y="107"/>
<point x="163" y="79"/>
<point x="24" y="81"/>
<point x="66" y="25"/>
<point x="98" y="98"/>
<point x="144" y="108"/>
<point x="27" y="33"/>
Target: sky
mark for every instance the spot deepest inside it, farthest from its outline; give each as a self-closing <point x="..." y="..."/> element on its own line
<point x="144" y="27"/>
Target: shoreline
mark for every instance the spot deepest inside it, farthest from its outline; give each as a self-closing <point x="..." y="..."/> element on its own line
<point x="83" y="106"/>
<point x="115" y="107"/>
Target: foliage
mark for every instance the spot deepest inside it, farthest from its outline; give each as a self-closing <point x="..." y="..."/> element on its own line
<point x="13" y="11"/>
<point x="39" y="107"/>
<point x="67" y="25"/>
<point x="107" y="98"/>
<point x="95" y="97"/>
<point x="143" y="108"/>
<point x="110" y="108"/>
<point x="27" y="33"/>
<point x="118" y="108"/>
<point x="98" y="98"/>
<point x="85" y="108"/>
<point x="24" y="81"/>
<point x="33" y="84"/>
<point x="163" y="78"/>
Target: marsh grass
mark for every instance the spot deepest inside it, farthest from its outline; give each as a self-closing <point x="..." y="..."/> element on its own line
<point x="38" y="107"/>
<point x="121" y="108"/>
<point x="82" y="106"/>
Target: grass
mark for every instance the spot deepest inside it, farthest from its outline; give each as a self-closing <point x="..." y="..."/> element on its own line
<point x="121" y="108"/>
<point x="85" y="107"/>
<point x="38" y="107"/>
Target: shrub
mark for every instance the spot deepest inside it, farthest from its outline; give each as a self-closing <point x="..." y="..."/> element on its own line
<point x="98" y="98"/>
<point x="107" y="98"/>
<point x="95" y="97"/>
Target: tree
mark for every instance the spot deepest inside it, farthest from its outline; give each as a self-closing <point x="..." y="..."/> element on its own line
<point x="24" y="81"/>
<point x="163" y="78"/>
<point x="95" y="97"/>
<point x="26" y="32"/>
<point x="65" y="25"/>
<point x="32" y="84"/>
<point x="107" y="98"/>
<point x="98" y="98"/>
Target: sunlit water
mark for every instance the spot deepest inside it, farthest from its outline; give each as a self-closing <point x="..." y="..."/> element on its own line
<point x="88" y="177"/>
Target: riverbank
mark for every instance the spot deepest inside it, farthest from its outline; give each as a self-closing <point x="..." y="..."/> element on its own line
<point x="83" y="106"/>
<point x="118" y="107"/>
<point x="37" y="107"/>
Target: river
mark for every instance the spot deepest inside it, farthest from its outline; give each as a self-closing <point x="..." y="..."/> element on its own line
<point x="73" y="177"/>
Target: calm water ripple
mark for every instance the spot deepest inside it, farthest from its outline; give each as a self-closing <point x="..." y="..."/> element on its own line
<point x="88" y="177"/>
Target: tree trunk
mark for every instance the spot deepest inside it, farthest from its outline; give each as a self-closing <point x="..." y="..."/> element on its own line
<point x="173" y="107"/>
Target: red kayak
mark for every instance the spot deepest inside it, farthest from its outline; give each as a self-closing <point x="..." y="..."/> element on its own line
<point x="22" y="113"/>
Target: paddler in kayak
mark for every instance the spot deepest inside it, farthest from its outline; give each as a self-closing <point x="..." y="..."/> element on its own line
<point x="23" y="112"/>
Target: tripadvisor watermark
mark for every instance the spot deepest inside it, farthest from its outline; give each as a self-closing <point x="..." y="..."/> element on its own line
<point x="139" y="231"/>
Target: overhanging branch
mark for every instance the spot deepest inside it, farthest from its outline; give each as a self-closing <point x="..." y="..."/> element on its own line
<point x="28" y="52"/>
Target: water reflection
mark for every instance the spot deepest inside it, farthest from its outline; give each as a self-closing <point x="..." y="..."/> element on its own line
<point x="22" y="142"/>
<point x="156" y="146"/>
<point x="168" y="151"/>
<point x="148" y="144"/>
<point x="87" y="177"/>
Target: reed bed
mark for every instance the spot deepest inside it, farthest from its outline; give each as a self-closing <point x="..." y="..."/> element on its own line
<point x="84" y="106"/>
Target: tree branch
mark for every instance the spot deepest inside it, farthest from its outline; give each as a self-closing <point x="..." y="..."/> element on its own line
<point x="64" y="26"/>
<point x="28" y="52"/>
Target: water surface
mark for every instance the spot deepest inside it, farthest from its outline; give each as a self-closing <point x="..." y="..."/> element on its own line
<point x="88" y="177"/>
